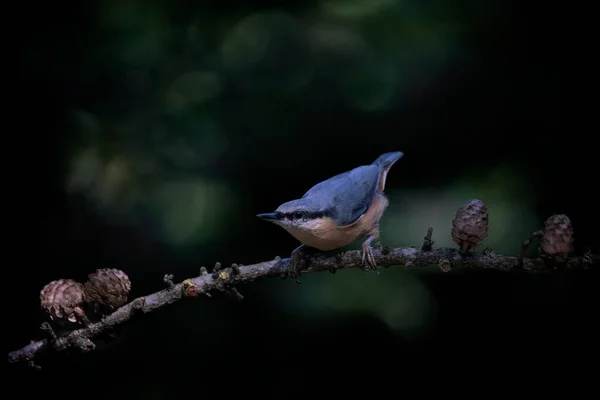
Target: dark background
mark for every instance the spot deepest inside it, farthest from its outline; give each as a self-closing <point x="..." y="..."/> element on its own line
<point x="124" y="151"/>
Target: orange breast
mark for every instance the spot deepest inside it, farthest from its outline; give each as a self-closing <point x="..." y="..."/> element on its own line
<point x="327" y="236"/>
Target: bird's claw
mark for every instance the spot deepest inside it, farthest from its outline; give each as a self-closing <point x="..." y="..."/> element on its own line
<point x="293" y="271"/>
<point x="295" y="259"/>
<point x="368" y="261"/>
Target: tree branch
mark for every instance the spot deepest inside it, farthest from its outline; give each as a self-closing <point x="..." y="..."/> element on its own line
<point x="225" y="280"/>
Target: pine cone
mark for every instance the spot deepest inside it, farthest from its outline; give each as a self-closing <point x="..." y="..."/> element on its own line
<point x="107" y="289"/>
<point x="470" y="225"/>
<point x="62" y="300"/>
<point x="557" y="242"/>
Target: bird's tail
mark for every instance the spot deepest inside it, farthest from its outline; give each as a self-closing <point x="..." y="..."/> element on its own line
<point x="386" y="160"/>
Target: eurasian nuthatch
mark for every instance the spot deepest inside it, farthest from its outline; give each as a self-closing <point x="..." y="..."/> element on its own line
<point x="338" y="211"/>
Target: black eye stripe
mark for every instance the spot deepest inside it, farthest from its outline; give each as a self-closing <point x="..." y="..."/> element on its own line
<point x="297" y="215"/>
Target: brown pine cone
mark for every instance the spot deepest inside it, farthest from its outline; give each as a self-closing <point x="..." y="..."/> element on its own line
<point x="107" y="289"/>
<point x="63" y="300"/>
<point x="470" y="225"/>
<point x="557" y="242"/>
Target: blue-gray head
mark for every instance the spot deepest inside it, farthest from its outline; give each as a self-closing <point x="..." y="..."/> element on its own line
<point x="302" y="214"/>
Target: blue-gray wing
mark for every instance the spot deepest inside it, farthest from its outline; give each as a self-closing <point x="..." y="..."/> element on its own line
<point x="351" y="192"/>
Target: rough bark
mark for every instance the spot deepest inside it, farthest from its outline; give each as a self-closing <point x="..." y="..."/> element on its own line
<point x="225" y="280"/>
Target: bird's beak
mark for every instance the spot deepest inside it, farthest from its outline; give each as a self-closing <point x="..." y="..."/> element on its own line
<point x="267" y="216"/>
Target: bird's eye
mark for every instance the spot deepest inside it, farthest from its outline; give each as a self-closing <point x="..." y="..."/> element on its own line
<point x="299" y="214"/>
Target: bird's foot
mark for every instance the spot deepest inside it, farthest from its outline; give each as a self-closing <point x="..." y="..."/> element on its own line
<point x="368" y="260"/>
<point x="295" y="261"/>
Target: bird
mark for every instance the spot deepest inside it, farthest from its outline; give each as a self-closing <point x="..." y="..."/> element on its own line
<point x="338" y="211"/>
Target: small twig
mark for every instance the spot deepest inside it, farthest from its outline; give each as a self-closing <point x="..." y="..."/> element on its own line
<point x="168" y="279"/>
<point x="427" y="242"/>
<point x="225" y="280"/>
<point x="465" y="248"/>
<point x="526" y="244"/>
<point x="47" y="328"/>
<point x="235" y="269"/>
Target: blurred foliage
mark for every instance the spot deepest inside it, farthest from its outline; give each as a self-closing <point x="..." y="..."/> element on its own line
<point x="397" y="297"/>
<point x="181" y="83"/>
